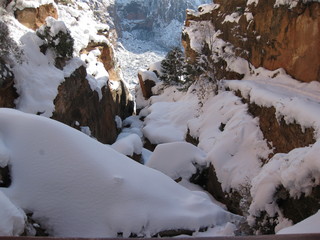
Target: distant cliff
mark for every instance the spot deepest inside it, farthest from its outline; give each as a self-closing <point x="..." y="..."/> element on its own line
<point x="152" y="20"/>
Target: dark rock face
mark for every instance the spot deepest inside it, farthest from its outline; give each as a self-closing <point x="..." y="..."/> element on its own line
<point x="76" y="102"/>
<point x="35" y="17"/>
<point x="298" y="209"/>
<point x="7" y="91"/>
<point x="268" y="36"/>
<point x="146" y="86"/>
<point x="5" y="177"/>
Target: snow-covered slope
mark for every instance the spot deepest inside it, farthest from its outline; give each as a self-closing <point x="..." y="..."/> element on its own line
<point x="78" y="187"/>
<point x="233" y="141"/>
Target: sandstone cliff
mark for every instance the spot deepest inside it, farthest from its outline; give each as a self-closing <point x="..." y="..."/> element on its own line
<point x="267" y="34"/>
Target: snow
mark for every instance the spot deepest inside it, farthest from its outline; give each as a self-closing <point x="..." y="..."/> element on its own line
<point x="22" y="4"/>
<point x="82" y="25"/>
<point x="167" y="121"/>
<point x="230" y="148"/>
<point x="36" y="79"/>
<point x="290" y="3"/>
<point x="97" y="75"/>
<point x="234" y="17"/>
<point x="12" y="219"/>
<point x="208" y="8"/>
<point x="155" y="67"/>
<point x="128" y="145"/>
<point x="134" y="54"/>
<point x="293" y="100"/>
<point x="148" y="75"/>
<point x="297" y="171"/>
<point x="170" y="35"/>
<point x="249" y="2"/>
<point x="309" y="225"/>
<point x="54" y="26"/>
<point x="72" y="65"/>
<point x="177" y="160"/>
<point x="249" y="16"/>
<point x="4" y="155"/>
<point x="118" y="121"/>
<point x="78" y="187"/>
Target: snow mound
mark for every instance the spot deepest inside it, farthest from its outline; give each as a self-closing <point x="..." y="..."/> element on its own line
<point x="169" y="114"/>
<point x="148" y="75"/>
<point x="78" y="187"/>
<point x="128" y="145"/>
<point x="37" y="88"/>
<point x="177" y="160"/>
<point x="12" y="219"/>
<point x="309" y="225"/>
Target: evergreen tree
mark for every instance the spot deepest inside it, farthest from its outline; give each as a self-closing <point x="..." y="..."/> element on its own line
<point x="173" y="67"/>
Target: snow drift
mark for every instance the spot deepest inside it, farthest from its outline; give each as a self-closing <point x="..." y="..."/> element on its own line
<point x="78" y="187"/>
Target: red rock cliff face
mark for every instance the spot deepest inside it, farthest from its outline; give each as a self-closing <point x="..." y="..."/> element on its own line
<point x="76" y="104"/>
<point x="271" y="36"/>
<point x="35" y="17"/>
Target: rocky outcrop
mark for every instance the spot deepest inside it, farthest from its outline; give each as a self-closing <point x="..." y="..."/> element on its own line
<point x="283" y="137"/>
<point x="298" y="209"/>
<point x="77" y="105"/>
<point x="146" y="86"/>
<point x="270" y="36"/>
<point x="7" y="91"/>
<point x="35" y="17"/>
<point x="107" y="57"/>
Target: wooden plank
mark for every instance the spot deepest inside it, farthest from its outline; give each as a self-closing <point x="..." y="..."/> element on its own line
<point x="259" y="237"/>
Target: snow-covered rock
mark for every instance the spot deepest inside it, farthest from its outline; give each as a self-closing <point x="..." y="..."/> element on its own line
<point x="78" y="187"/>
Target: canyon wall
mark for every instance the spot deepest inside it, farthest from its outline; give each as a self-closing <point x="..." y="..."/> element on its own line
<point x="268" y="34"/>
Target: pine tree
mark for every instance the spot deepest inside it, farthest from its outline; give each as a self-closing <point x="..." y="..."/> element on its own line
<point x="173" y="67"/>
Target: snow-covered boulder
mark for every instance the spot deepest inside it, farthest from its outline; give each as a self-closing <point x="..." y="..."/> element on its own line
<point x="147" y="81"/>
<point x="178" y="159"/>
<point x="78" y="187"/>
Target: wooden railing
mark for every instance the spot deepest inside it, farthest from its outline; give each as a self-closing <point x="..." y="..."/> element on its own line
<point x="260" y="237"/>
